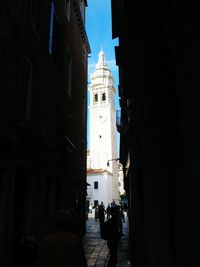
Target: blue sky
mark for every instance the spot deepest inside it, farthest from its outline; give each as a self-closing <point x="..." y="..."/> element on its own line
<point x="99" y="32"/>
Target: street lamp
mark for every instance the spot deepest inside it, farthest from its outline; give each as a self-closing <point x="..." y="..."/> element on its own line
<point x="111" y="160"/>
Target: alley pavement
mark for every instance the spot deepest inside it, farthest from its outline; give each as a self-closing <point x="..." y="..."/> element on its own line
<point x="96" y="250"/>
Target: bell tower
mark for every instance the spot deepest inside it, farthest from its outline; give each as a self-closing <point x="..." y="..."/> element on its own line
<point x="103" y="132"/>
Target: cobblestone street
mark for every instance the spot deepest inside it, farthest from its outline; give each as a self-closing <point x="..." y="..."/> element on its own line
<point x="96" y="249"/>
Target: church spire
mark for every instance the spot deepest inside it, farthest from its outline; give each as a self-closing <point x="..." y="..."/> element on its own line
<point x="101" y="64"/>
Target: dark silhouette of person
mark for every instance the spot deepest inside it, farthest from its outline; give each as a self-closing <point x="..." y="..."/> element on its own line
<point x="101" y="213"/>
<point x="61" y="246"/>
<point x="96" y="212"/>
<point x="121" y="219"/>
<point x="108" y="211"/>
<point x="111" y="232"/>
<point x="113" y="204"/>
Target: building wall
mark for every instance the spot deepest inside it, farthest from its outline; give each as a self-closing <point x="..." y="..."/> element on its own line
<point x="42" y="120"/>
<point x="159" y="133"/>
<point x="104" y="192"/>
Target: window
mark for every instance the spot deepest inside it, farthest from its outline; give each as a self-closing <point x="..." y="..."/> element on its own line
<point x="96" y="98"/>
<point x="56" y="35"/>
<point x="103" y="97"/>
<point x="96" y="185"/>
<point x="96" y="202"/>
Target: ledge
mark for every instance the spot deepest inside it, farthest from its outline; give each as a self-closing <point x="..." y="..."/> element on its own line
<point x="81" y="26"/>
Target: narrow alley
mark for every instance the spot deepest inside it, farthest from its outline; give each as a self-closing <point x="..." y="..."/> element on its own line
<point x="96" y="250"/>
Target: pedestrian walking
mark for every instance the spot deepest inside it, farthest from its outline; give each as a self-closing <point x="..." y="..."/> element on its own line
<point x="121" y="219"/>
<point x="101" y="213"/>
<point x="108" y="212"/>
<point x="96" y="213"/>
<point x="113" y="204"/>
<point x="110" y="231"/>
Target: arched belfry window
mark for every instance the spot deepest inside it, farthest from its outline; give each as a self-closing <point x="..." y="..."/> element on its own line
<point x="103" y="97"/>
<point x="95" y="98"/>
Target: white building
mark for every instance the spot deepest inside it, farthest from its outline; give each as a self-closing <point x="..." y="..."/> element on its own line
<point x="103" y="179"/>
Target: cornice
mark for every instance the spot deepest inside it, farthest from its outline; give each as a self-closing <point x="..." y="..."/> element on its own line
<point x="81" y="25"/>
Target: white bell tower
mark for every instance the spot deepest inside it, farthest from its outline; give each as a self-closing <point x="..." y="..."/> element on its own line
<point x="103" y="132"/>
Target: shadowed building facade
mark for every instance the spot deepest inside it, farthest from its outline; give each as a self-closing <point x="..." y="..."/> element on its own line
<point x="158" y="58"/>
<point x="43" y="111"/>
